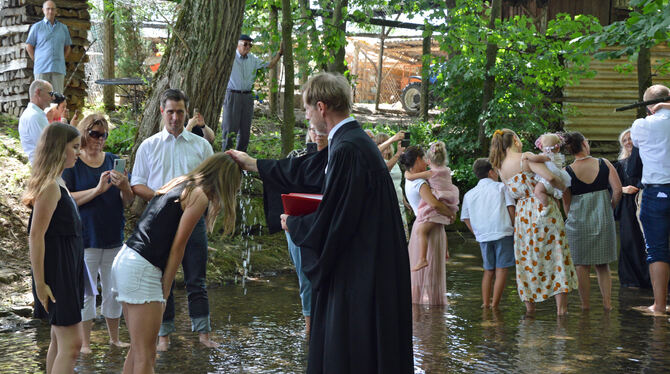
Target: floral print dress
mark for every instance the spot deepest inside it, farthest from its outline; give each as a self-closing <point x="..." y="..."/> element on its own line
<point x="543" y="264"/>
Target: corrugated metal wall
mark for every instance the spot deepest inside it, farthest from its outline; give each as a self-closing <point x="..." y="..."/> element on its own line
<point x="589" y="105"/>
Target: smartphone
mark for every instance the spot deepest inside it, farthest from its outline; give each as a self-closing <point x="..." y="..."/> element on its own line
<point x="120" y="165"/>
<point x="405" y="142"/>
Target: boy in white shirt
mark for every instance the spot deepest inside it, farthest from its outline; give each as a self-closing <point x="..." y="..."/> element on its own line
<point x="488" y="211"/>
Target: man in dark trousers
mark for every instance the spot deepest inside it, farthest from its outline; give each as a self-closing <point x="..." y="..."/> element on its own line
<point x="353" y="247"/>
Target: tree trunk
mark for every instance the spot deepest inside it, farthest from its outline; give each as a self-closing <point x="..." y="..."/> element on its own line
<point x="380" y="66"/>
<point x="197" y="60"/>
<point x="274" y="72"/>
<point x="425" y="78"/>
<point x="108" y="54"/>
<point x="488" y="90"/>
<point x="340" y="28"/>
<point x="643" y="77"/>
<point x="289" y="89"/>
<point x="307" y="47"/>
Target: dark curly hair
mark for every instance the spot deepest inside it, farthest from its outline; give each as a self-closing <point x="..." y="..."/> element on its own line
<point x="574" y="142"/>
<point x="408" y="158"/>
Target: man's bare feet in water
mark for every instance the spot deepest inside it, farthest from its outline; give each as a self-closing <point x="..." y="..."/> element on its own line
<point x="85" y="349"/>
<point x="422" y="264"/>
<point x="119" y="344"/>
<point x="206" y="341"/>
<point x="163" y="343"/>
<point x="658" y="311"/>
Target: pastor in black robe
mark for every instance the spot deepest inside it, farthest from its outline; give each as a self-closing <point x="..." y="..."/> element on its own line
<point x="354" y="252"/>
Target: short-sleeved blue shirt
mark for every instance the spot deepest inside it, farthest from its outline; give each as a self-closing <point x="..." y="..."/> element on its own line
<point x="102" y="218"/>
<point x="49" y="42"/>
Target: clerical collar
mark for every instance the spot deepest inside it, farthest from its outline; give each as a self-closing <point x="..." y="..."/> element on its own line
<point x="337" y="127"/>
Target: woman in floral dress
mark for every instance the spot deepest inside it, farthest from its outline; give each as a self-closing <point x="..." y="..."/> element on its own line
<point x="543" y="264"/>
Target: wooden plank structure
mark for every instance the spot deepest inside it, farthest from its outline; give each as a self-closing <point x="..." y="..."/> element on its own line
<point x="589" y="105"/>
<point x="16" y="67"/>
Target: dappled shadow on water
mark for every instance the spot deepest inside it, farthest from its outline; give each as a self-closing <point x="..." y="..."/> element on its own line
<point x="261" y="330"/>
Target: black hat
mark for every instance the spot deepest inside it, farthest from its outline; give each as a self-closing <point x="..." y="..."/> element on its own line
<point x="246" y="37"/>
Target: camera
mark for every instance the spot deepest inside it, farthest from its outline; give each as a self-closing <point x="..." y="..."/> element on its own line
<point x="405" y="142"/>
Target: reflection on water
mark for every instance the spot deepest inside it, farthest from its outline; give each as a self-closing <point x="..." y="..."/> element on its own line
<point x="261" y="330"/>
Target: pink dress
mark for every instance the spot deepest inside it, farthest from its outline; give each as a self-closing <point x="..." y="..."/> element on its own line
<point x="445" y="191"/>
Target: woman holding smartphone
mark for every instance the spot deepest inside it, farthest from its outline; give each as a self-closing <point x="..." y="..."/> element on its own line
<point x="100" y="192"/>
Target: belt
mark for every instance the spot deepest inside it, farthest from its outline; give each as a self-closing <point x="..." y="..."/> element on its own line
<point x="657" y="185"/>
<point x="239" y="92"/>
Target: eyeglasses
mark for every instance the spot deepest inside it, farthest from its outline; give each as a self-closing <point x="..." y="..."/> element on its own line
<point x="247" y="44"/>
<point x="97" y="134"/>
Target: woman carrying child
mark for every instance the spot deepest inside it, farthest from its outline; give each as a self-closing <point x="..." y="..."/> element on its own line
<point x="143" y="271"/>
<point x="429" y="285"/>
<point x="56" y="246"/>
<point x="439" y="180"/>
<point x="543" y="264"/>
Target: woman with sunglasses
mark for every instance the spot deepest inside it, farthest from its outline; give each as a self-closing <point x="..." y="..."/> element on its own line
<point x="100" y="193"/>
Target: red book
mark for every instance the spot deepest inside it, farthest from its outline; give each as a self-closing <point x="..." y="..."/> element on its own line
<point x="299" y="204"/>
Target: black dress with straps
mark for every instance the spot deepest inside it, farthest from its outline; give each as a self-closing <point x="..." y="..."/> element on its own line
<point x="63" y="264"/>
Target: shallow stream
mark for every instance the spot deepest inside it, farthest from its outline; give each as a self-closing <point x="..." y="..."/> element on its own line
<point x="261" y="331"/>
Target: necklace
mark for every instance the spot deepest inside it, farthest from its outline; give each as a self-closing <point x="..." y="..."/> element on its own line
<point x="582" y="158"/>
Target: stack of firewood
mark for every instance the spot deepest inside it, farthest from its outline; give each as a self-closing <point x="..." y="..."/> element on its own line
<point x="16" y="67"/>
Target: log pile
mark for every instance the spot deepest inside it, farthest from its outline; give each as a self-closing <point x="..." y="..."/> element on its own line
<point x="16" y="67"/>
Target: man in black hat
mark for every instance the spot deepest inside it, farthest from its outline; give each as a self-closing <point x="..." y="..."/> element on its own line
<point x="238" y="107"/>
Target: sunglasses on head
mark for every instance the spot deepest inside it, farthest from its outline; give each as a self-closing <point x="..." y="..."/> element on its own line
<point x="97" y="134"/>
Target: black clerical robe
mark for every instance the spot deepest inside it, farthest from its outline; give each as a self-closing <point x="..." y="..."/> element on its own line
<point x="354" y="252"/>
<point x="304" y="174"/>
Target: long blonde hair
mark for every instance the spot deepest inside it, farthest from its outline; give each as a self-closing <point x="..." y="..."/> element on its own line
<point x="624" y="153"/>
<point x="437" y="154"/>
<point x="501" y="141"/>
<point x="219" y="177"/>
<point x="49" y="159"/>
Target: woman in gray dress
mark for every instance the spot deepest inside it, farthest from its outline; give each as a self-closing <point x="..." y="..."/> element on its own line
<point x="590" y="224"/>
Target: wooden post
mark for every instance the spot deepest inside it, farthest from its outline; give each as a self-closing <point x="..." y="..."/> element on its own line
<point x="488" y="90"/>
<point x="380" y="67"/>
<point x="274" y="72"/>
<point x="108" y="54"/>
<point x="643" y="77"/>
<point x="425" y="77"/>
<point x="288" y="124"/>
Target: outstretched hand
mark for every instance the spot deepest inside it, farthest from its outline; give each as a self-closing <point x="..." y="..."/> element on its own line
<point x="245" y="161"/>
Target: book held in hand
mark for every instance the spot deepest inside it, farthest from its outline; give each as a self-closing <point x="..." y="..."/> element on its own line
<point x="299" y="204"/>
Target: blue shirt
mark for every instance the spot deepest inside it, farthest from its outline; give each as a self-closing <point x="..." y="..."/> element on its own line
<point x="49" y="42"/>
<point x="102" y="218"/>
<point x="243" y="74"/>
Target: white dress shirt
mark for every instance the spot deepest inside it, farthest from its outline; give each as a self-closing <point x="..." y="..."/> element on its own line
<point x="32" y="122"/>
<point x="163" y="157"/>
<point x="652" y="136"/>
<point x="486" y="207"/>
<point x="243" y="74"/>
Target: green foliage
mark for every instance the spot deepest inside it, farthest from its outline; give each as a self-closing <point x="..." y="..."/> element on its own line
<point x="132" y="49"/>
<point x="121" y="138"/>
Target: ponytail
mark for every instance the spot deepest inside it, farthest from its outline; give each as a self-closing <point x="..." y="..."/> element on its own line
<point x="500" y="142"/>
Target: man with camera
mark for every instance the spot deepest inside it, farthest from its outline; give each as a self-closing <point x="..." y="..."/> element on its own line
<point x="34" y="120"/>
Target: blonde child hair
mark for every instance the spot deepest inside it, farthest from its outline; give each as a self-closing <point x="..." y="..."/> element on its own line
<point x="437" y="154"/>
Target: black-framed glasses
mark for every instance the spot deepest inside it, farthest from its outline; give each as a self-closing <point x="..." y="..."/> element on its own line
<point x="97" y="134"/>
<point x="247" y="44"/>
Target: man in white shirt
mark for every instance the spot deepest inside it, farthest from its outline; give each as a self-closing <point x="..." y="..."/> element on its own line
<point x="238" y="106"/>
<point x="34" y="120"/>
<point x="488" y="211"/>
<point x="652" y="136"/>
<point x="166" y="155"/>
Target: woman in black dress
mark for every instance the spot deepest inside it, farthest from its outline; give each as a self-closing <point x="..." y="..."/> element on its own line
<point x="633" y="268"/>
<point x="56" y="246"/>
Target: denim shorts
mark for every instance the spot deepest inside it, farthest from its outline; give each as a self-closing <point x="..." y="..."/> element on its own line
<point x="134" y="279"/>
<point x="498" y="254"/>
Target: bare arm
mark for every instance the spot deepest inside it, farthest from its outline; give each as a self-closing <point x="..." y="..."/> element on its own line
<point x="43" y="209"/>
<point x="66" y="51"/>
<point x="390" y="163"/>
<point x="567" y="198"/>
<point x="398" y="136"/>
<point x="31" y="51"/>
<point x="276" y="58"/>
<point x="208" y="133"/>
<point x="615" y="183"/>
<point x="194" y="208"/>
<point x="245" y="161"/>
<point x="422" y="175"/>
<point x="199" y="120"/>
<point x="120" y="181"/>
<point x="511" y="210"/>
<point x="541" y="170"/>
<point x="85" y="196"/>
<point x="534" y="158"/>
<point x="427" y="196"/>
<point x="144" y="192"/>
<point x="467" y="223"/>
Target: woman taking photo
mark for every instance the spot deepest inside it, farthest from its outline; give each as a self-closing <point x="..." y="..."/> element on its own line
<point x="143" y="271"/>
<point x="384" y="142"/>
<point x="429" y="284"/>
<point x="101" y="193"/>
<point x="633" y="267"/>
<point x="56" y="248"/>
<point x="543" y="264"/>
<point x="590" y="224"/>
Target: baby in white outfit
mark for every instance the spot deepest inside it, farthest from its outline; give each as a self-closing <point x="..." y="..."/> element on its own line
<point x="550" y="144"/>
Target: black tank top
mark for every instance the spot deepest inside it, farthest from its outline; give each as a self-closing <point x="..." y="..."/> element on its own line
<point x="157" y="227"/>
<point x="601" y="182"/>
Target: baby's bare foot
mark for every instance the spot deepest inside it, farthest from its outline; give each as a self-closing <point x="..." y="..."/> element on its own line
<point x="422" y="264"/>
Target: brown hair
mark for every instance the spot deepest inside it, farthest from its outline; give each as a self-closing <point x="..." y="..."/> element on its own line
<point x="408" y="158"/>
<point x="219" y="177"/>
<point x="500" y="142"/>
<point x="574" y="142"/>
<point x="89" y="122"/>
<point x="481" y="168"/>
<point x="49" y="159"/>
<point x="380" y="138"/>
<point x="331" y="89"/>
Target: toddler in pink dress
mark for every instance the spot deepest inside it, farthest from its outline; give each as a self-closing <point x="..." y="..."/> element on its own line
<point x="439" y="180"/>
